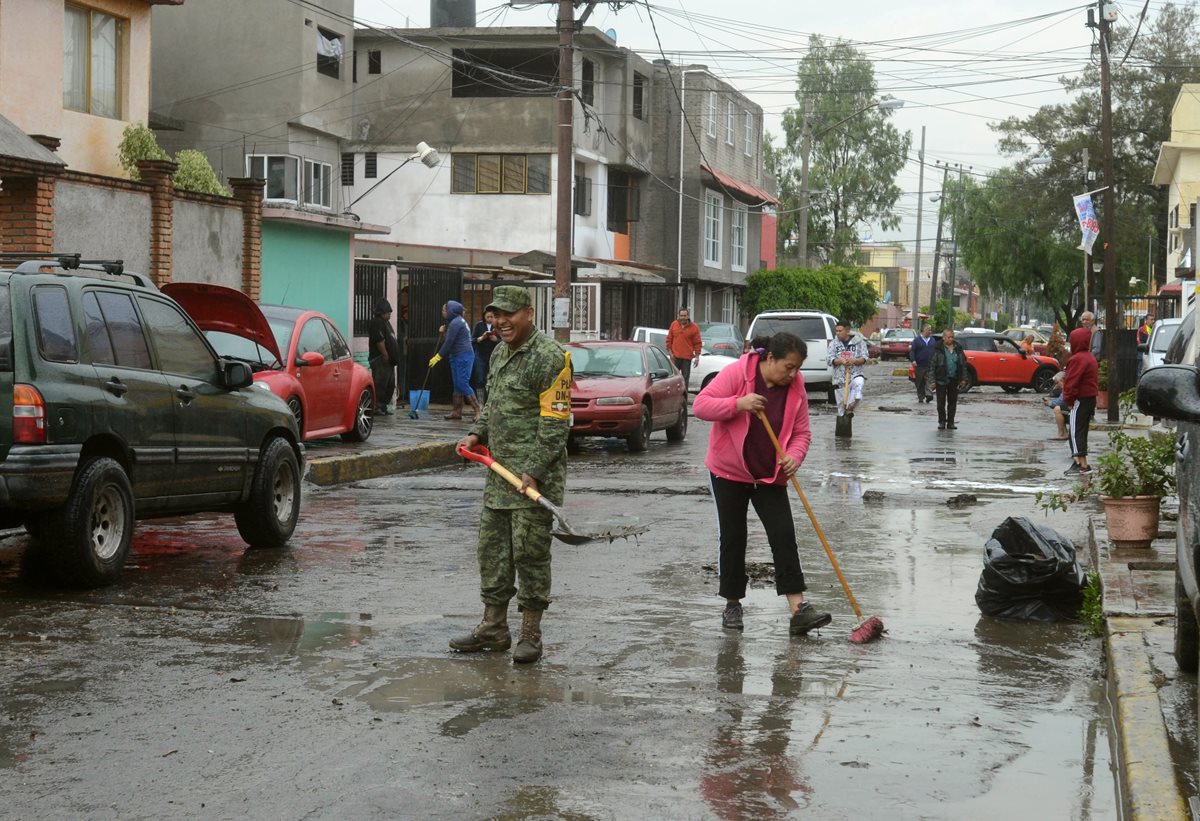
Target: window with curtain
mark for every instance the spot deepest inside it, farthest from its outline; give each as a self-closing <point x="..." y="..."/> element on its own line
<point x="738" y="218"/>
<point x="281" y="171"/>
<point x="713" y="204"/>
<point x="92" y="44"/>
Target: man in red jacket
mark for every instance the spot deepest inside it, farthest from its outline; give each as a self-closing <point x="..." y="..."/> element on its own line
<point x="1080" y="387"/>
<point x="683" y="343"/>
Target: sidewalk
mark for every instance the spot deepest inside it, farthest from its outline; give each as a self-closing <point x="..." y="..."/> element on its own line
<point x="1139" y="608"/>
<point x="397" y="444"/>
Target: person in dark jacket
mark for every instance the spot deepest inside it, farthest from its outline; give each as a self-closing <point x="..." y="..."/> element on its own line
<point x="948" y="363"/>
<point x="1080" y="386"/>
<point x="921" y="354"/>
<point x="457" y="348"/>
<point x="484" y="338"/>
<point x="381" y="341"/>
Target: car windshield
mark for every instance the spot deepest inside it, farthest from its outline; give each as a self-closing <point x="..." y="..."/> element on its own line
<point x="231" y="346"/>
<point x="805" y="327"/>
<point x="897" y="335"/>
<point x="606" y="361"/>
<point x="282" y="328"/>
<point x="1163" y="338"/>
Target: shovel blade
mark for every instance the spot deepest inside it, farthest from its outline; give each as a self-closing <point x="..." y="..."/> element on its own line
<point x="610" y="535"/>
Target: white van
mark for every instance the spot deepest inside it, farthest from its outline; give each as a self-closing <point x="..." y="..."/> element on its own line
<point x="815" y="328"/>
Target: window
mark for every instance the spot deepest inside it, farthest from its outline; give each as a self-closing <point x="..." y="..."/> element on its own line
<point x="738" y="219"/>
<point x="639" y="96"/>
<point x="370" y="165"/>
<point x="181" y="349"/>
<point x="281" y="171"/>
<point x="623" y="201"/>
<point x="92" y="62"/>
<point x="317" y="184"/>
<point x="315" y="337"/>
<point x="500" y="173"/>
<point x="505" y="72"/>
<point x="374" y="62"/>
<point x="56" y="332"/>
<point x="329" y="53"/>
<point x="340" y="349"/>
<point x="748" y="148"/>
<point x="347" y="169"/>
<point x="729" y="306"/>
<point x="711" y="118"/>
<point x="6" y="331"/>
<point x="729" y="123"/>
<point x="124" y="340"/>
<point x="583" y="195"/>
<point x="713" y="204"/>
<point x="587" y="82"/>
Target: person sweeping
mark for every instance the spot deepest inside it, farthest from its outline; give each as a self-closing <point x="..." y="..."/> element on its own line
<point x="744" y="469"/>
<point x="457" y="348"/>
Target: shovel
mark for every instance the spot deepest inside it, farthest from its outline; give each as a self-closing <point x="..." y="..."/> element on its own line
<point x="844" y="426"/>
<point x="563" y="531"/>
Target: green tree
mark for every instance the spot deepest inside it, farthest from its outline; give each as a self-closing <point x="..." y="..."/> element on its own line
<point x="194" y="172"/>
<point x="835" y="289"/>
<point x="855" y="156"/>
<point x="138" y="143"/>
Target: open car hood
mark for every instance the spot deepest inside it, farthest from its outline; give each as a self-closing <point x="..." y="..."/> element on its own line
<point x="217" y="308"/>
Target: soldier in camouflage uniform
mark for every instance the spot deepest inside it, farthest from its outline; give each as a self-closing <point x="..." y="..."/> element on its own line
<point x="525" y="425"/>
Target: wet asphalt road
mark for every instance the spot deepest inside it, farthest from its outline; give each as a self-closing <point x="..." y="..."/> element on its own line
<point x="214" y="682"/>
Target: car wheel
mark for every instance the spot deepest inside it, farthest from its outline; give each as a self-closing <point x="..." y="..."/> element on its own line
<point x="1043" y="380"/>
<point x="297" y="410"/>
<point x="269" y="516"/>
<point x="967" y="381"/>
<point x="88" y="538"/>
<point x="1187" y="633"/>
<point x="1011" y="388"/>
<point x="708" y="379"/>
<point x="676" y="432"/>
<point x="364" y="419"/>
<point x="639" y="439"/>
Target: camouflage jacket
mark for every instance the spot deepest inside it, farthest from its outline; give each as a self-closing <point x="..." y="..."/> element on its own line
<point x="527" y="418"/>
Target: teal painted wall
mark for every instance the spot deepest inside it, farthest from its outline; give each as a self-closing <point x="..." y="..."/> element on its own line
<point x="307" y="267"/>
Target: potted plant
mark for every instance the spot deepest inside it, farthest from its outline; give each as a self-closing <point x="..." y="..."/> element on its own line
<point x="1102" y="384"/>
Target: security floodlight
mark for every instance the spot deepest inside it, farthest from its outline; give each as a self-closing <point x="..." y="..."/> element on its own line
<point x="888" y="105"/>
<point x="428" y="155"/>
<point x="1040" y="161"/>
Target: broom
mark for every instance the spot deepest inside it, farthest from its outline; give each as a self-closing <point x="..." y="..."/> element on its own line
<point x="868" y="629"/>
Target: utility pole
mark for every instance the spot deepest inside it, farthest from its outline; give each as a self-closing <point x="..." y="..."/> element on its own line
<point x="805" y="149"/>
<point x="953" y="280"/>
<point x="915" y="294"/>
<point x="564" y="218"/>
<point x="1087" y="258"/>
<point x="937" y="247"/>
<point x="1111" y="321"/>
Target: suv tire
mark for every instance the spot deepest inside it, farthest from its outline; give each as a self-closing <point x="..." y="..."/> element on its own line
<point x="269" y="516"/>
<point x="1187" y="634"/>
<point x="88" y="538"/>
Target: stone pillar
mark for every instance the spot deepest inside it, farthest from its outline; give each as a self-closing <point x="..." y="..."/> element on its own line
<point x="249" y="192"/>
<point x="27" y="209"/>
<point x="157" y="174"/>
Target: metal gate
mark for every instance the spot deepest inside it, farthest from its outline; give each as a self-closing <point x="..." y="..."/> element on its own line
<point x="585" y="311"/>
<point x="370" y="286"/>
<point x="428" y="290"/>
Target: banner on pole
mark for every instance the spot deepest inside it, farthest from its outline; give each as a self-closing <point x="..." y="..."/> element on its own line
<point x="1088" y="223"/>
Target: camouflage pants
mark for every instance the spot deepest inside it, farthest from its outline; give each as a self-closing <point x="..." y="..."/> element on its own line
<point x="515" y="545"/>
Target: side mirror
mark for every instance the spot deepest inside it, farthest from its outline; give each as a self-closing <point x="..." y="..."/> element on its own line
<point x="236" y="375"/>
<point x="661" y="373"/>
<point x="310" y="359"/>
<point x="1170" y="392"/>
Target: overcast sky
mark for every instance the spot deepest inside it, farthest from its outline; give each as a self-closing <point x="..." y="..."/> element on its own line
<point x="959" y="66"/>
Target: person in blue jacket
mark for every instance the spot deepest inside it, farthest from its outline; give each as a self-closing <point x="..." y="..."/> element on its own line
<point x="457" y="348"/>
<point x="921" y="354"/>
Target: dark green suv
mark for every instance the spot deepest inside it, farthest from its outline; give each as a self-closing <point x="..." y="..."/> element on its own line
<point x="113" y="407"/>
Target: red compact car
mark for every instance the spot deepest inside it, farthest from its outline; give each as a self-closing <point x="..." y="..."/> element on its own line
<point x="627" y="389"/>
<point x="327" y="391"/>
<point x="994" y="359"/>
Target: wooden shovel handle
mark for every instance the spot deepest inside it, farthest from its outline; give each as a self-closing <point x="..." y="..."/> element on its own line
<point x="483" y="456"/>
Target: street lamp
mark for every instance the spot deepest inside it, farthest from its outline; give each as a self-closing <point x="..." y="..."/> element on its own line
<point x="806" y="149"/>
<point x="427" y="154"/>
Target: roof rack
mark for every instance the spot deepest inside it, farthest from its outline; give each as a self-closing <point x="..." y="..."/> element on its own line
<point x="34" y="263"/>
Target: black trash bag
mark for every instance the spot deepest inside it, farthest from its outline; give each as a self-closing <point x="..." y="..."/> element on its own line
<point x="1029" y="572"/>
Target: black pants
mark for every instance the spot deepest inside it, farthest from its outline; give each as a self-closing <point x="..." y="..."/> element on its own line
<point x="1078" y="422"/>
<point x="774" y="510"/>
<point x="947" y="401"/>
<point x="384" y="376"/>
<point x="685" y="368"/>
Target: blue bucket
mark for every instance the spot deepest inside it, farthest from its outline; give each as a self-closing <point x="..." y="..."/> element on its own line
<point x="418" y="400"/>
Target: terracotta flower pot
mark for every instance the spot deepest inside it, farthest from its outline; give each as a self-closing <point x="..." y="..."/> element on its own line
<point x="1132" y="521"/>
<point x="1102" y="400"/>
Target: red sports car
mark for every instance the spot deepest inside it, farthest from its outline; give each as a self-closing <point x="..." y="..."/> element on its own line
<point x="328" y="392"/>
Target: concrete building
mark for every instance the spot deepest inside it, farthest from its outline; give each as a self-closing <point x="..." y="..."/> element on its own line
<point x="1178" y="168"/>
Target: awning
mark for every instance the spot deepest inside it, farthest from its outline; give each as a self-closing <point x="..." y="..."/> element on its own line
<point x="1174" y="288"/>
<point x="615" y="272"/>
<point x="742" y="190"/>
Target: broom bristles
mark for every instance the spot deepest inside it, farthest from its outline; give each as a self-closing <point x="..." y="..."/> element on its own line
<point x="869" y="630"/>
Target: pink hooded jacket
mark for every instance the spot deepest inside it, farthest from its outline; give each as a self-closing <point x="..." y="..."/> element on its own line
<point x="717" y="403"/>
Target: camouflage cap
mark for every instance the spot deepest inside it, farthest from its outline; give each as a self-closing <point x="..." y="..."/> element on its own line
<point x="509" y="299"/>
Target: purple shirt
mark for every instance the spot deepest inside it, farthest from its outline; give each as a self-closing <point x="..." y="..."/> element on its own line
<point x="757" y="451"/>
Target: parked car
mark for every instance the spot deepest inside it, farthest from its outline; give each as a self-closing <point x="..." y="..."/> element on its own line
<point x="896" y="343"/>
<point x="116" y="408"/>
<point x="874" y="350"/>
<point x="815" y="328"/>
<point x="994" y="359"/>
<point x="628" y="389"/>
<point x="1154" y="350"/>
<point x="721" y="338"/>
<point x="327" y="391"/>
<point x="702" y="373"/>
<point x="1172" y="391"/>
<point x="1040" y="340"/>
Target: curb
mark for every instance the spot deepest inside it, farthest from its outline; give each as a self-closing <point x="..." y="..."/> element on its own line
<point x="355" y="467"/>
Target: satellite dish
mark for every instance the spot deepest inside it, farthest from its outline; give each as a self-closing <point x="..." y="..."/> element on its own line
<point x="612" y="34"/>
<point x="887" y="297"/>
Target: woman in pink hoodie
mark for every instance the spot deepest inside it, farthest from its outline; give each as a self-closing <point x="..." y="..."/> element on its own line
<point x="745" y="469"/>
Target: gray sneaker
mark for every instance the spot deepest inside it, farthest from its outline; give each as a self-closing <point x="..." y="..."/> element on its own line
<point x="731" y="618"/>
<point x="807" y="618"/>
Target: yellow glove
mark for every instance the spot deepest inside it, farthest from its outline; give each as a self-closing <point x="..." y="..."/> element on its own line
<point x="436" y="358"/>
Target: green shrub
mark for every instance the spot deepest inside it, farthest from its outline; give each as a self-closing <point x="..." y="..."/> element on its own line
<point x="195" y="173"/>
<point x="1091" y="612"/>
<point x="138" y="143"/>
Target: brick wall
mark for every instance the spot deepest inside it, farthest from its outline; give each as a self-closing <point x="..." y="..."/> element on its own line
<point x="27" y="207"/>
